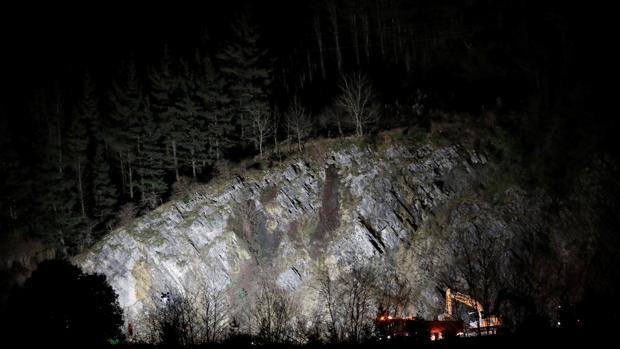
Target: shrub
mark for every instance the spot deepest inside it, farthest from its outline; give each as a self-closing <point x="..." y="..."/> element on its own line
<point x="59" y="304"/>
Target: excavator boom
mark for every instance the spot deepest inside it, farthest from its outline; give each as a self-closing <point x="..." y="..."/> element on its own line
<point x="491" y="321"/>
<point x="462" y="298"/>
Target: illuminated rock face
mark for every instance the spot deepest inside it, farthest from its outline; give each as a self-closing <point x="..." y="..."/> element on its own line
<point x="355" y="206"/>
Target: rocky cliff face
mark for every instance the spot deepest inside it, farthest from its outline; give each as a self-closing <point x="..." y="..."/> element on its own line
<point x="415" y="209"/>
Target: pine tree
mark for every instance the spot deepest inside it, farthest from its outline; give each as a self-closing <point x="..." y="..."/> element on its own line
<point x="164" y="96"/>
<point x="319" y="40"/>
<point x="83" y="135"/>
<point x="105" y="196"/>
<point x="53" y="214"/>
<point x="151" y="172"/>
<point x="78" y="232"/>
<point x="124" y="135"/>
<point x="214" y="109"/>
<point x="88" y="116"/>
<point x="77" y="145"/>
<point x="151" y="158"/>
<point x="248" y="74"/>
<point x="55" y="197"/>
<point x="189" y="126"/>
<point x="333" y="17"/>
<point x="15" y="186"/>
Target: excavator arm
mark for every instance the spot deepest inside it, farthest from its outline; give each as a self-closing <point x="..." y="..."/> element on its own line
<point x="462" y="298"/>
<point x="490" y="321"/>
<point x="467" y="300"/>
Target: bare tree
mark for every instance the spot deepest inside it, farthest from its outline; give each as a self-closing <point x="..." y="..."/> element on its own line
<point x="309" y="330"/>
<point x="189" y="319"/>
<point x="298" y="122"/>
<point x="214" y="315"/>
<point x="329" y="294"/>
<point x="272" y="315"/>
<point x="349" y="303"/>
<point x="263" y="127"/>
<point x="173" y="322"/>
<point x="356" y="100"/>
<point x="394" y="293"/>
<point x="358" y="311"/>
<point x="276" y="126"/>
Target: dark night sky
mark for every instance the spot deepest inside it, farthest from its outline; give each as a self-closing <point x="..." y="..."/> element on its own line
<point x="42" y="41"/>
<point x="45" y="43"/>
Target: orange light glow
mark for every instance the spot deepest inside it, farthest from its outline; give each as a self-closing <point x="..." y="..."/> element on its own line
<point x="437" y="333"/>
<point x="390" y="317"/>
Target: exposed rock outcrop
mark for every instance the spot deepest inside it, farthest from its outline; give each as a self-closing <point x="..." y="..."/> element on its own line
<point x="407" y="208"/>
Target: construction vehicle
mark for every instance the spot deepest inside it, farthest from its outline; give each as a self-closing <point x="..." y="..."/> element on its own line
<point x="410" y="328"/>
<point x="479" y="322"/>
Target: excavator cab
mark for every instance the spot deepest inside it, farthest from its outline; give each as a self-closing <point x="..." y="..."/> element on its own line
<point x="488" y="324"/>
<point x="472" y="319"/>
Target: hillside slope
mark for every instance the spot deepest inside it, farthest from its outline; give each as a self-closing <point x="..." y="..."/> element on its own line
<point x="425" y="211"/>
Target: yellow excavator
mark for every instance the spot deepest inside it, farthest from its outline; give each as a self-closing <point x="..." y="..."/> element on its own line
<point x="488" y="324"/>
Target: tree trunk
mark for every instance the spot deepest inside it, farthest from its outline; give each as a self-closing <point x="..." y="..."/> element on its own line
<point x="80" y="189"/>
<point x="130" y="174"/>
<point x="334" y="19"/>
<point x="193" y="164"/>
<point x="140" y="171"/>
<point x="395" y="40"/>
<point x="275" y="135"/>
<point x="59" y="147"/>
<point x="123" y="182"/>
<point x="399" y="37"/>
<point x="175" y="160"/>
<point x="310" y="73"/>
<point x="142" y="187"/>
<point x="381" y="31"/>
<point x="358" y="125"/>
<point x="355" y="39"/>
<point x="242" y="123"/>
<point x="319" y="40"/>
<point x="288" y="137"/>
<point x="366" y="30"/>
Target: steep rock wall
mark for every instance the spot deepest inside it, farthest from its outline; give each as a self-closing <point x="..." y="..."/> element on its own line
<point x="357" y="205"/>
